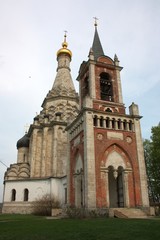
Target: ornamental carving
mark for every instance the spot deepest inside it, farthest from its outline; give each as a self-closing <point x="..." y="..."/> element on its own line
<point x="100" y="136"/>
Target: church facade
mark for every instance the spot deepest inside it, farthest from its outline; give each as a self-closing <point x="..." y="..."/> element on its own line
<point x="83" y="149"/>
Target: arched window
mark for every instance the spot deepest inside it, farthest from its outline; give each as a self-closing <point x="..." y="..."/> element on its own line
<point x="101" y="121"/>
<point x="119" y="123"/>
<point x="95" y="121"/>
<point x="113" y="123"/>
<point x="26" y="194"/>
<point x="130" y="125"/>
<point x="107" y="122"/>
<point x="125" y="125"/>
<point x="106" y="87"/>
<point x="85" y="87"/>
<point x="108" y="110"/>
<point x="13" y="195"/>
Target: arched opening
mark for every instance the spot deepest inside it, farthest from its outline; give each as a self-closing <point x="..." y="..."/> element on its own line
<point x="26" y="194"/>
<point x="116" y="194"/>
<point x="119" y="123"/>
<point x="120" y="191"/>
<point x="107" y="122"/>
<point x="106" y="91"/>
<point x="101" y="121"/>
<point x="112" y="187"/>
<point x="13" y="195"/>
<point x="95" y="121"/>
<point x="130" y="125"/>
<point x="85" y="87"/>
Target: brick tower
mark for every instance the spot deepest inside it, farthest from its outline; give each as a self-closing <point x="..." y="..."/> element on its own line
<point x="106" y="161"/>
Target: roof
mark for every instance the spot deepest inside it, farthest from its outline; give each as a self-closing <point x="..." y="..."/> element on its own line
<point x="96" y="46"/>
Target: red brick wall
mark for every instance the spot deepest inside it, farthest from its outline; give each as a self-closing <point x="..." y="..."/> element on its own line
<point x="129" y="154"/>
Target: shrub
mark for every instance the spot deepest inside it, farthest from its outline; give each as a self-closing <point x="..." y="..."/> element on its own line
<point x="75" y="212"/>
<point x="43" y="206"/>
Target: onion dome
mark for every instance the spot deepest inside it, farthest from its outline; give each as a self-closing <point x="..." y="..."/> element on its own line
<point x="23" y="142"/>
<point x="64" y="49"/>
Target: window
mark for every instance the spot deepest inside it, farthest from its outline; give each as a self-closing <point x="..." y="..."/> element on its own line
<point x="85" y="87"/>
<point x="119" y="123"/>
<point x="107" y="122"/>
<point x="26" y="194"/>
<point x="106" y="87"/>
<point x="13" y="196"/>
<point x="101" y="121"/>
<point x="130" y="125"/>
<point x="65" y="194"/>
<point x="95" y="121"/>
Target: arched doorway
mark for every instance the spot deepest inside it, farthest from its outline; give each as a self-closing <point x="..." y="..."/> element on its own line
<point x="116" y="189"/>
<point x="120" y="188"/>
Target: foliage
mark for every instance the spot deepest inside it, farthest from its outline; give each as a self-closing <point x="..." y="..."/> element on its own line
<point x="152" y="157"/>
<point x="75" y="212"/>
<point x="39" y="228"/>
<point x="43" y="206"/>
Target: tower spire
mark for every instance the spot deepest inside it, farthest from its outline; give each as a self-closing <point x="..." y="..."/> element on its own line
<point x="96" y="46"/>
<point x="63" y="84"/>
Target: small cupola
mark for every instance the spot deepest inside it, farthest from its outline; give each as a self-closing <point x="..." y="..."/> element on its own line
<point x="64" y="49"/>
<point x="23" y="142"/>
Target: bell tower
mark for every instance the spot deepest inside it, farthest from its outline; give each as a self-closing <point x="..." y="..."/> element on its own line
<point x="100" y="83"/>
<point x="107" y="167"/>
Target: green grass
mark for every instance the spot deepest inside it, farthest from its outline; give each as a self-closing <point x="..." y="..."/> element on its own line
<point x="27" y="227"/>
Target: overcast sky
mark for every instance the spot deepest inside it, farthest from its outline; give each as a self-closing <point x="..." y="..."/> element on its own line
<point x="31" y="32"/>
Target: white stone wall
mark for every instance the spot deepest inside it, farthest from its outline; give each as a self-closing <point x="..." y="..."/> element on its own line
<point x="37" y="189"/>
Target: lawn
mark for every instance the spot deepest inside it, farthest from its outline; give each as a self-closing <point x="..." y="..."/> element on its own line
<point x="27" y="227"/>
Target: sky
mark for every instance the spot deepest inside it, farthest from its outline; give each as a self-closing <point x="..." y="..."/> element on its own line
<point x="31" y="32"/>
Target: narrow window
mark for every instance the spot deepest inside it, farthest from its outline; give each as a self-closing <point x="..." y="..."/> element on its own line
<point x="13" y="196"/>
<point x="124" y="124"/>
<point x="101" y="122"/>
<point x="113" y="123"/>
<point x="26" y="194"/>
<point x="95" y="121"/>
<point x="65" y="192"/>
<point x="85" y="87"/>
<point x="119" y="123"/>
<point x="130" y="125"/>
<point x="107" y="123"/>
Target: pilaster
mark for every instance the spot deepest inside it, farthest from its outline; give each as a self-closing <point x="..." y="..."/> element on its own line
<point x="89" y="161"/>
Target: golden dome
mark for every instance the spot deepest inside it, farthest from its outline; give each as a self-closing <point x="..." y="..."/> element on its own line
<point x="64" y="49"/>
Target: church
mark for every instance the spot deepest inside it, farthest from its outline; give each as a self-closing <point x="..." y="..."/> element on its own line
<point x="82" y="148"/>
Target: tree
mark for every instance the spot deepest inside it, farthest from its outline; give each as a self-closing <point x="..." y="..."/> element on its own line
<point x="152" y="157"/>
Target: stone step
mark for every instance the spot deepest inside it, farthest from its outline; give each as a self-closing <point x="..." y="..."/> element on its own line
<point x="130" y="213"/>
<point x="119" y="214"/>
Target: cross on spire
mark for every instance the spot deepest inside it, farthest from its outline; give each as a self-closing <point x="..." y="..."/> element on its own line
<point x="95" y="23"/>
<point x="26" y="128"/>
<point x="65" y="35"/>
